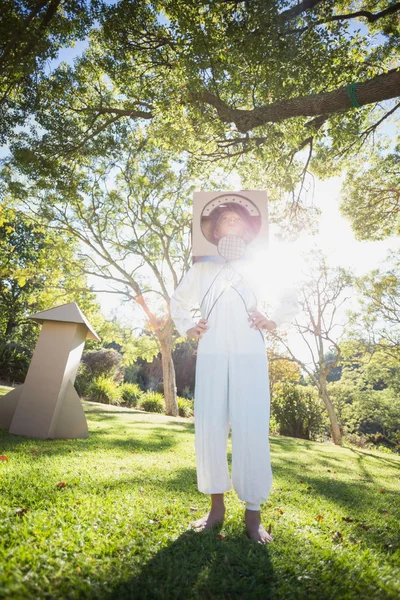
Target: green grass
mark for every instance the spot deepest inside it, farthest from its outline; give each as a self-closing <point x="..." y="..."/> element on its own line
<point x="119" y="528"/>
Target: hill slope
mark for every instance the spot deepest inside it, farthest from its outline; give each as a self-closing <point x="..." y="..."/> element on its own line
<point x="107" y="517"/>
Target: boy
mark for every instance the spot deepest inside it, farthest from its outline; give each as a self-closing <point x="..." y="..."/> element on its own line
<point x="232" y="386"/>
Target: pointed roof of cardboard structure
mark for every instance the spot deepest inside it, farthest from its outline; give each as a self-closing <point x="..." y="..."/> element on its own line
<point x="67" y="313"/>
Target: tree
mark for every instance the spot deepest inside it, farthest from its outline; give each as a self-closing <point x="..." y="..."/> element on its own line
<point x="322" y="294"/>
<point x="268" y="88"/>
<point x="281" y="370"/>
<point x="227" y="80"/>
<point x="298" y="411"/>
<point x="133" y="226"/>
<point x="31" y="33"/>
<point x="379" y="314"/>
<point x="372" y="197"/>
<point x="34" y="275"/>
<point x="366" y="397"/>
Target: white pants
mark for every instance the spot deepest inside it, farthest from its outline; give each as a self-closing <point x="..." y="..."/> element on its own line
<point x="232" y="390"/>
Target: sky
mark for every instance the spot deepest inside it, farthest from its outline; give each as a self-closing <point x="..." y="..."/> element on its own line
<point x="335" y="237"/>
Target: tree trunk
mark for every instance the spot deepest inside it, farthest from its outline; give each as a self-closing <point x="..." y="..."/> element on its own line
<point x="11" y="325"/>
<point x="168" y="369"/>
<point x="336" y="430"/>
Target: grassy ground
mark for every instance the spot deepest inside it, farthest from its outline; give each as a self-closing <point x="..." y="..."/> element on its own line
<point x="118" y="528"/>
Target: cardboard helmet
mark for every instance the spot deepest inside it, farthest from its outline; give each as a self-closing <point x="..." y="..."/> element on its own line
<point x="211" y="208"/>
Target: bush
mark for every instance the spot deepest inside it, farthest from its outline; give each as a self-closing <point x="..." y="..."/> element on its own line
<point x="133" y="374"/>
<point x="153" y="402"/>
<point x="378" y="439"/>
<point x="104" y="390"/>
<point x="131" y="394"/>
<point x="185" y="406"/>
<point x="367" y="411"/>
<point x="187" y="393"/>
<point x="105" y="362"/>
<point x="14" y="362"/>
<point x="298" y="411"/>
<point x="356" y="440"/>
<point x="83" y="380"/>
<point x="273" y="425"/>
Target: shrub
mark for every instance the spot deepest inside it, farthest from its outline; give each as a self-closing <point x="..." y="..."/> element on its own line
<point x="273" y="425"/>
<point x="14" y="362"/>
<point x="153" y="402"/>
<point x="83" y="380"/>
<point x="298" y="411"/>
<point x="133" y="374"/>
<point x="185" y="406"/>
<point x="378" y="439"/>
<point x="356" y="440"/>
<point x="105" y="362"/>
<point x="104" y="390"/>
<point x="187" y="393"/>
<point x="131" y="394"/>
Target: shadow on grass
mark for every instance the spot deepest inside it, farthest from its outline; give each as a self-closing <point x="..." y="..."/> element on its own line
<point x="139" y="437"/>
<point x="207" y="566"/>
<point x="178" y="481"/>
<point x="132" y="412"/>
<point x="362" y="453"/>
<point x="204" y="565"/>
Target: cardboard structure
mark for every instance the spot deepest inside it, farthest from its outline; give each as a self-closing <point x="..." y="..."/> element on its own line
<point x="207" y="207"/>
<point x="47" y="404"/>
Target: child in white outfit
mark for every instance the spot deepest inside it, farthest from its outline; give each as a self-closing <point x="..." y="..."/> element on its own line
<point x="232" y="387"/>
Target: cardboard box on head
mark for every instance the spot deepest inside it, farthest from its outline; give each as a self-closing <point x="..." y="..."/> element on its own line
<point x="209" y="208"/>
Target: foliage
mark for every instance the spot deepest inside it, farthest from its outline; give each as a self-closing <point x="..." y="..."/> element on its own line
<point x="381" y="441"/>
<point x="31" y="33"/>
<point x="363" y="410"/>
<point x="228" y="76"/>
<point x="153" y="402"/>
<point x="14" y="361"/>
<point x="335" y="373"/>
<point x="379" y="313"/>
<point x="379" y="412"/>
<point x="105" y="362"/>
<point x="104" y="390"/>
<point x="184" y="357"/>
<point x="134" y="374"/>
<point x="138" y="346"/>
<point x="185" y="407"/>
<point x="83" y="379"/>
<point x="131" y="394"/>
<point x="298" y="411"/>
<point x="187" y="393"/>
<point x="371" y="197"/>
<point x="282" y="370"/>
<point x="323" y="291"/>
<point x="39" y="269"/>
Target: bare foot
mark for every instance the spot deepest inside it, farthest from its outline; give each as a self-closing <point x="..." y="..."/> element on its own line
<point x="214" y="517"/>
<point x="255" y="529"/>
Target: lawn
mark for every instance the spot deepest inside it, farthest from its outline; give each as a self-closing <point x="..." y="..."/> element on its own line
<point x="107" y="517"/>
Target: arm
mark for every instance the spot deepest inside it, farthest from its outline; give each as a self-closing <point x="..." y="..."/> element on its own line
<point x="185" y="297"/>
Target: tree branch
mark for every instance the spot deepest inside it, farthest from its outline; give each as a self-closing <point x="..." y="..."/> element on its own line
<point x="371" y="17"/>
<point x="381" y="87"/>
<point x="297" y="10"/>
